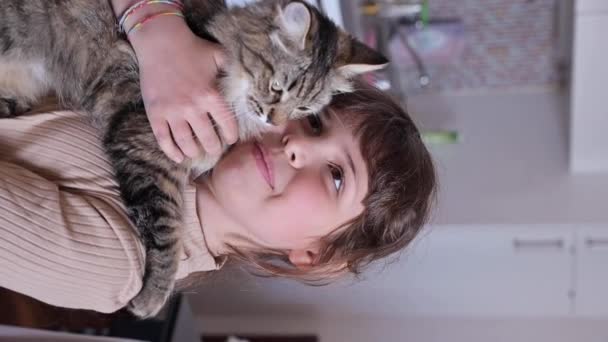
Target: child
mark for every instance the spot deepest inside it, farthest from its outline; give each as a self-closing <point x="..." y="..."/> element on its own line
<point x="326" y="197"/>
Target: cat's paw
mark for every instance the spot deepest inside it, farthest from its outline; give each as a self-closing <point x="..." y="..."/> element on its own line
<point x="12" y="107"/>
<point x="148" y="302"/>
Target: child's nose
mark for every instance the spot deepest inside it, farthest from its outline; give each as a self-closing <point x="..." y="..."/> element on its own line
<point x="299" y="150"/>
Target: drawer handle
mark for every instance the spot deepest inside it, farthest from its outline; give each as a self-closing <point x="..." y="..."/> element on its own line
<point x="549" y="243"/>
<point x="595" y="242"/>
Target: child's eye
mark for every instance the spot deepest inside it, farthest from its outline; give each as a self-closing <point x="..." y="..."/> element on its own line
<point x="315" y="124"/>
<point x="337" y="176"/>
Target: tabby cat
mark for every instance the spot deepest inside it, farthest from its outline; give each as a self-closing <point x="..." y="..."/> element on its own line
<point x="286" y="59"/>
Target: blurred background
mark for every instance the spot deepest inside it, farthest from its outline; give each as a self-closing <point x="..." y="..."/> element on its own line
<point x="510" y="97"/>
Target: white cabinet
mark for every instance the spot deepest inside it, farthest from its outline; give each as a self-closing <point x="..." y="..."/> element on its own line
<point x="490" y="271"/>
<point x="589" y="114"/>
<point x="591" y="271"/>
<point x="539" y="270"/>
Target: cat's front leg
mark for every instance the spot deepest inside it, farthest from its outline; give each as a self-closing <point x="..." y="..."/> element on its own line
<point x="11" y="107"/>
<point x="151" y="187"/>
<point x="150" y="183"/>
<point x="22" y="83"/>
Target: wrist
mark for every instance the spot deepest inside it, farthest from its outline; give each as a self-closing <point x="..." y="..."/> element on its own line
<point x="148" y="10"/>
<point x="154" y="26"/>
<point x="158" y="33"/>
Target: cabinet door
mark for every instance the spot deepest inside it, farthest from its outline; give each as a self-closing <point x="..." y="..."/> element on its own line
<point x="589" y="114"/>
<point x="490" y="271"/>
<point x="591" y="298"/>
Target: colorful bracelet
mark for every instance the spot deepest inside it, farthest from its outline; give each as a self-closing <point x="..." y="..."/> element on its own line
<point x="140" y="4"/>
<point x="139" y="24"/>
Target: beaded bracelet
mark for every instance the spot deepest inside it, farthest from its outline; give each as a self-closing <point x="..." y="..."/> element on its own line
<point x="150" y="17"/>
<point x="140" y="4"/>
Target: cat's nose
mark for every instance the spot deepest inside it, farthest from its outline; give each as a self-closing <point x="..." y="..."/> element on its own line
<point x="276" y="98"/>
<point x="276" y="118"/>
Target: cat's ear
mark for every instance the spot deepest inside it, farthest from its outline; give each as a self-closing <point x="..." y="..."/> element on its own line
<point x="358" y="58"/>
<point x="295" y="20"/>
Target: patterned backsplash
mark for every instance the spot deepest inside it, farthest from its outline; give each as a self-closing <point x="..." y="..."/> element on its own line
<point x="500" y="43"/>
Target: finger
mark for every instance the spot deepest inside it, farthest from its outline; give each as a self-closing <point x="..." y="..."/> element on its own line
<point x="182" y="135"/>
<point x="165" y="141"/>
<point x="204" y="131"/>
<point x="225" y="119"/>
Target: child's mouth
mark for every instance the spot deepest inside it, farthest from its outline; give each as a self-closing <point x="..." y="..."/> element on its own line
<point x="263" y="163"/>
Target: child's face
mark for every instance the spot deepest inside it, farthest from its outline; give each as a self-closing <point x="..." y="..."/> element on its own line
<point x="312" y="183"/>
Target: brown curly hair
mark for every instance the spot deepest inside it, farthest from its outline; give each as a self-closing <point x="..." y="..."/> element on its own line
<point x="401" y="193"/>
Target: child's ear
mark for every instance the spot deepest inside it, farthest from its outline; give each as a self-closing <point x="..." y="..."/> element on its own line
<point x="357" y="58"/>
<point x="303" y="258"/>
<point x="294" y="21"/>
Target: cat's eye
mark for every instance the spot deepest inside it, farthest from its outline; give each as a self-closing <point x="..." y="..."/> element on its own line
<point x="276" y="87"/>
<point x="337" y="176"/>
<point x="316" y="126"/>
<point x="304" y="109"/>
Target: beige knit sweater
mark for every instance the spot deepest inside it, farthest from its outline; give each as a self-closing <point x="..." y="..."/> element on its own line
<point x="65" y="238"/>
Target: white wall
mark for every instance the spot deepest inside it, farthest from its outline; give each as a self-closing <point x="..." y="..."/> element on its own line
<point x="331" y="8"/>
<point x="244" y="2"/>
<point x="238" y="2"/>
<point x="512" y="163"/>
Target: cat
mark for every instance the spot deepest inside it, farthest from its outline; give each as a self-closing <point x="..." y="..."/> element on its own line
<point x="285" y="61"/>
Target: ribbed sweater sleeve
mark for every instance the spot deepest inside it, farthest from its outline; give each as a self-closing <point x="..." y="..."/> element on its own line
<point x="65" y="237"/>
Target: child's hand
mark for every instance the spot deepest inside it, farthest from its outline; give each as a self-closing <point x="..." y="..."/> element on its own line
<point x="178" y="79"/>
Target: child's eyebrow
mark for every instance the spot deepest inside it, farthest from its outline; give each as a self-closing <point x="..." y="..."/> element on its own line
<point x="328" y="114"/>
<point x="350" y="163"/>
